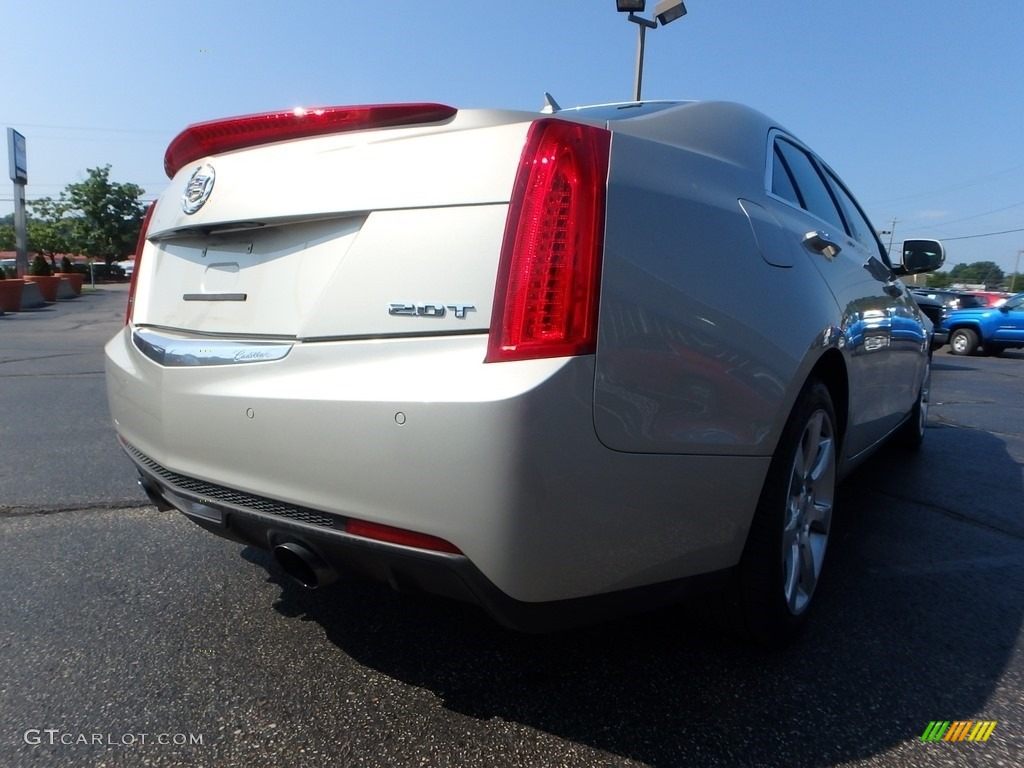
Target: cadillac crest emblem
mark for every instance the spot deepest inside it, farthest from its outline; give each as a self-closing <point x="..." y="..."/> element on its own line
<point x="198" y="189"/>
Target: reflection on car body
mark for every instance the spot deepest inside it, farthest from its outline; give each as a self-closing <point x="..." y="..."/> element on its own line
<point x="619" y="420"/>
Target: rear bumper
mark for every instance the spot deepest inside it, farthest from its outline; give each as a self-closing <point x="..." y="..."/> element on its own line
<point x="405" y="569"/>
<point x="501" y="460"/>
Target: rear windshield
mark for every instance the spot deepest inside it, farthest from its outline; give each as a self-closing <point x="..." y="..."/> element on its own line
<point x="623" y="111"/>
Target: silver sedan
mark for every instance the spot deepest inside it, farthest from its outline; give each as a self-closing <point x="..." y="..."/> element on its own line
<point x="562" y="365"/>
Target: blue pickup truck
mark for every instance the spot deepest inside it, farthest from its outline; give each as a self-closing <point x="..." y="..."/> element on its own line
<point x="988" y="329"/>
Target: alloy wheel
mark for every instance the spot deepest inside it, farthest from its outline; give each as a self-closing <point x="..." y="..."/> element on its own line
<point x="808" y="516"/>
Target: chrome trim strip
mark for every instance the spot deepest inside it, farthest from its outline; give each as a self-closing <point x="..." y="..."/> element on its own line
<point x="174" y="351"/>
<point x="214" y="296"/>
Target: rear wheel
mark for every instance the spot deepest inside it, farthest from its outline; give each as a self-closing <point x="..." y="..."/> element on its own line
<point x="911" y="434"/>
<point x="778" y="574"/>
<point x="963" y="341"/>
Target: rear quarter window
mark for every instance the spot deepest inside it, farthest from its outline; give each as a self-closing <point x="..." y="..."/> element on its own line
<point x="814" y="195"/>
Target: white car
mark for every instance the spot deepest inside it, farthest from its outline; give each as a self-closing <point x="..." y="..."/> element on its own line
<point x="560" y="365"/>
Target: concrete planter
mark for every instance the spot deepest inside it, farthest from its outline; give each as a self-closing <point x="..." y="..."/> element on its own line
<point x="77" y="280"/>
<point x="10" y="295"/>
<point x="48" y="285"/>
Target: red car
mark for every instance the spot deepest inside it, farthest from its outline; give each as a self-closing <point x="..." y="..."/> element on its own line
<point x="989" y="298"/>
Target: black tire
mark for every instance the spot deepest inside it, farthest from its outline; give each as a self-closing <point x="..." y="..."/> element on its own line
<point x="771" y="590"/>
<point x="910" y="436"/>
<point x="963" y="341"/>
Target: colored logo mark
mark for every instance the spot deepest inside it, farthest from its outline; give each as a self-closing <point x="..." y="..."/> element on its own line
<point x="958" y="730"/>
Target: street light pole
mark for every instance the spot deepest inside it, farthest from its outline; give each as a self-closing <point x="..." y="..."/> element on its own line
<point x="665" y="12"/>
<point x="644" y="25"/>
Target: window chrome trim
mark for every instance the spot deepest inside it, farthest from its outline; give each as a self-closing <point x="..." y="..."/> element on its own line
<point x="177" y="351"/>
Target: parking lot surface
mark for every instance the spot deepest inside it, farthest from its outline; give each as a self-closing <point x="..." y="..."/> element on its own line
<point x="131" y="637"/>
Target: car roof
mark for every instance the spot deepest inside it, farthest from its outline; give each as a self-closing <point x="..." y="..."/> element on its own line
<point x="729" y="131"/>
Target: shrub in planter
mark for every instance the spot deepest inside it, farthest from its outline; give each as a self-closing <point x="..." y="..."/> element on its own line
<point x="40" y="267"/>
<point x="65" y="264"/>
<point x="40" y="273"/>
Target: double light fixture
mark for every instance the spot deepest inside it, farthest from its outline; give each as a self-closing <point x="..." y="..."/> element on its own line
<point x="665" y="12"/>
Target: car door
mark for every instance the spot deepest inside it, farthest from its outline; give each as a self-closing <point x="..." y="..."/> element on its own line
<point x="844" y="248"/>
<point x="1010" y="323"/>
<point x="908" y="335"/>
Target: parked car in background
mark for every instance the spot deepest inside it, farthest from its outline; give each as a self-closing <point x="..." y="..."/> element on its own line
<point x="936" y="311"/>
<point x="989" y="298"/>
<point x="989" y="330"/>
<point x="951" y="299"/>
<point x="520" y="359"/>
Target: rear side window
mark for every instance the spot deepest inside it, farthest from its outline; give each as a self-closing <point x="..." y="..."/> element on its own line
<point x="782" y="182"/>
<point x="813" y="194"/>
<point x="860" y="228"/>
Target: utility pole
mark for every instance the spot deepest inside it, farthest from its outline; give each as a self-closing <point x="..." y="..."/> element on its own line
<point x="892" y="233"/>
<point x="1016" y="268"/>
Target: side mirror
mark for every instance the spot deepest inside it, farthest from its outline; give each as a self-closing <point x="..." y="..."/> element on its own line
<point x="920" y="256"/>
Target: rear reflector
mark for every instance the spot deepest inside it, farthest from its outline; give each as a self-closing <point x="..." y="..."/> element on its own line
<point x="545" y="298"/>
<point x="399" y="536"/>
<point x="211" y="138"/>
<point x="138" y="262"/>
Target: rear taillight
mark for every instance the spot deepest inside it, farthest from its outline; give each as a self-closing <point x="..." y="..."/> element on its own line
<point x="138" y="262"/>
<point x="545" y="298"/>
<point x="210" y="138"/>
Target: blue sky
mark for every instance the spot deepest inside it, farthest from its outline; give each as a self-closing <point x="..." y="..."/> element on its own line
<point x="918" y="105"/>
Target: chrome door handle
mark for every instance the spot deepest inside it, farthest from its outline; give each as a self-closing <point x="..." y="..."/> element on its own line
<point x="823" y="243"/>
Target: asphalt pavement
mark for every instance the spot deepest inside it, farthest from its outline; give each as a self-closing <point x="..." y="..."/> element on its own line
<point x="131" y="637"/>
<point x="56" y="450"/>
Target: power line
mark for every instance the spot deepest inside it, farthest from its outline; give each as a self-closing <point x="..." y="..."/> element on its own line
<point x="969" y="218"/>
<point x="952" y="188"/>
<point x="985" y="234"/>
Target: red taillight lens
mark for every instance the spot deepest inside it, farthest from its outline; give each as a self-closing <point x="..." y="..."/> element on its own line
<point x="399" y="536"/>
<point x="210" y="138"/>
<point x="545" y="298"/>
<point x="138" y="262"/>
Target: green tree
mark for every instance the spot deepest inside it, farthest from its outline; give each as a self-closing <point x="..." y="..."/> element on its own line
<point x="939" y="280"/>
<point x="7" y="241"/>
<point x="103" y="217"/>
<point x="49" y="229"/>
<point x="986" y="272"/>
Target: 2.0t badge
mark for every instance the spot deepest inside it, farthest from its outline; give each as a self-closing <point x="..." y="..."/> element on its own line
<point x="398" y="309"/>
<point x="198" y="189"/>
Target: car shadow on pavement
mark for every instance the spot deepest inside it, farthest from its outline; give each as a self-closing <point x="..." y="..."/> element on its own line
<point x="919" y="614"/>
